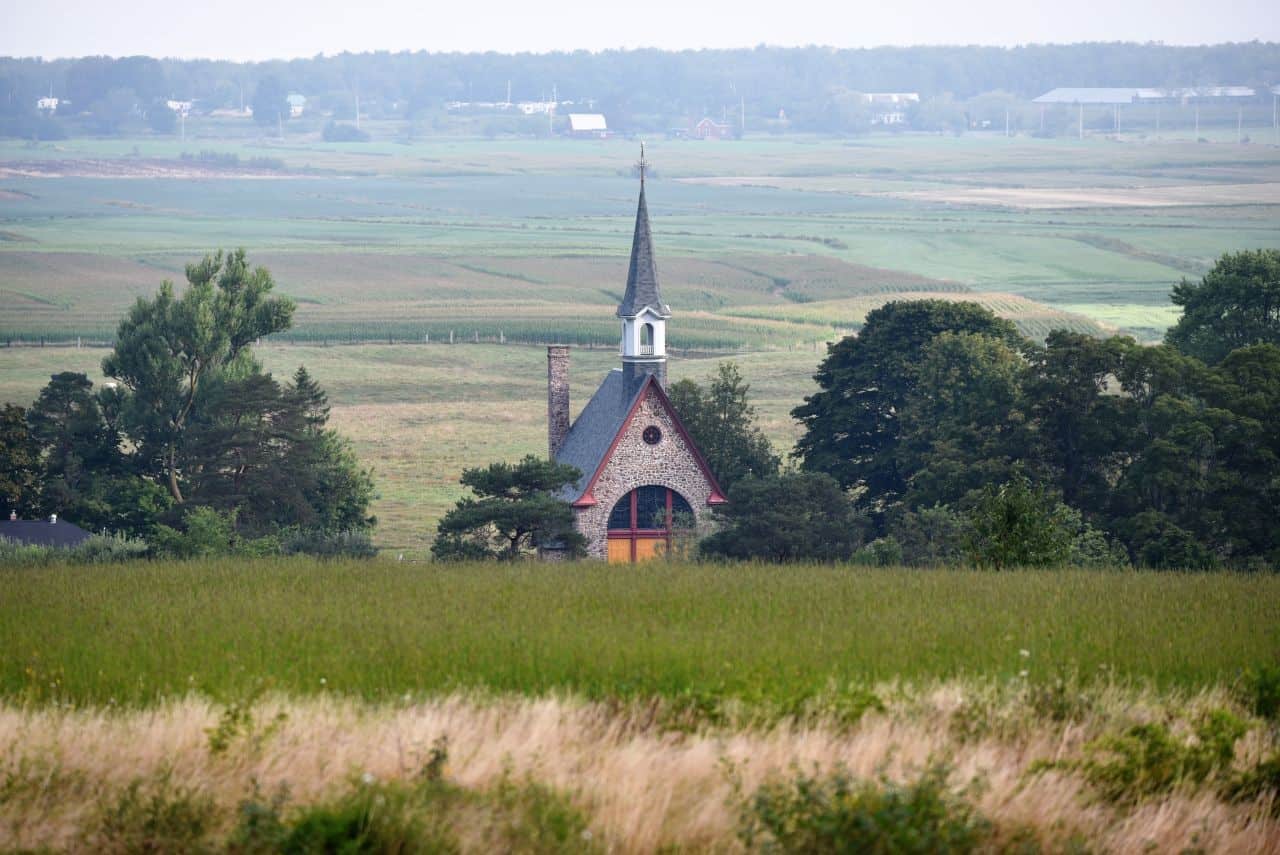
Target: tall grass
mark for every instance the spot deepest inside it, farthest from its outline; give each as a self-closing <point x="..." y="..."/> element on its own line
<point x="136" y="633"/>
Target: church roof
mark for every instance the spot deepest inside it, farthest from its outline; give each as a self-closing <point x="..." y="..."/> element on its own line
<point x="642" y="276"/>
<point x="592" y="437"/>
<point x="589" y="440"/>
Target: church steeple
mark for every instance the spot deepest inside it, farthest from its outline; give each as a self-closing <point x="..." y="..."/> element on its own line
<point x="644" y="315"/>
<point x="642" y="276"/>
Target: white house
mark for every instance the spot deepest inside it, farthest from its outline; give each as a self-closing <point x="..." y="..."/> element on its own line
<point x="297" y="103"/>
<point x="47" y="105"/>
<point x="588" y="125"/>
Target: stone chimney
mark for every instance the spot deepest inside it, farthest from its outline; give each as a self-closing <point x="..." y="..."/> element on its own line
<point x="557" y="396"/>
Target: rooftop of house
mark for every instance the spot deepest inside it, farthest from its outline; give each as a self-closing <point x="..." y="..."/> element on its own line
<point x="50" y="532"/>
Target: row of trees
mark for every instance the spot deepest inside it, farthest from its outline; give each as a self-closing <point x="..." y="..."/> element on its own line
<point x="640" y="89"/>
<point x="193" y="433"/>
<point x="939" y="434"/>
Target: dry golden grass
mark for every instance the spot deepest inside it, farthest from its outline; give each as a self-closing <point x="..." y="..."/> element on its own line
<point x="642" y="784"/>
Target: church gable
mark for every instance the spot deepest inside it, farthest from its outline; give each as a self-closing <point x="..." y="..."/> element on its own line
<point x="651" y="448"/>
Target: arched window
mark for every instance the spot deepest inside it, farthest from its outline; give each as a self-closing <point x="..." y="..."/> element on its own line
<point x="642" y="522"/>
<point x="646" y="339"/>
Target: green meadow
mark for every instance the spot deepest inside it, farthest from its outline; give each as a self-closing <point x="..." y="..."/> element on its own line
<point x="135" y="634"/>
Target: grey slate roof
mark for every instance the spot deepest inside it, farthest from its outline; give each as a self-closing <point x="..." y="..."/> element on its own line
<point x="589" y="439"/>
<point x="43" y="533"/>
<point x="642" y="276"/>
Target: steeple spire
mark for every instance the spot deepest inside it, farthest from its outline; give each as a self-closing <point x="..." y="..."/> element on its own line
<point x="642" y="276"/>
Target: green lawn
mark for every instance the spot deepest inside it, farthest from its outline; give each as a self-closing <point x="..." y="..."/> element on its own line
<point x="137" y="633"/>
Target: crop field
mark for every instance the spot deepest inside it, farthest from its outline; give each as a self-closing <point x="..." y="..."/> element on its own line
<point x="406" y="238"/>
<point x="249" y="704"/>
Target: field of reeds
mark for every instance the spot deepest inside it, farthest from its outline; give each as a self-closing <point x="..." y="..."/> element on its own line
<point x="290" y="705"/>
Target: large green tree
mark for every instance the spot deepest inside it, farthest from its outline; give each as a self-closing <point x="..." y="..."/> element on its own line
<point x="513" y="510"/>
<point x="270" y="102"/>
<point x="853" y="424"/>
<point x="963" y="424"/>
<point x="722" y="422"/>
<point x="1236" y="304"/>
<point x="169" y="346"/>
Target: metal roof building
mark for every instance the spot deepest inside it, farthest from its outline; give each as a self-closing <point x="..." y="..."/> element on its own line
<point x="1117" y="95"/>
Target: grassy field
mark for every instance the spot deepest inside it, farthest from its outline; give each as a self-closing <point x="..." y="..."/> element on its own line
<point x="566" y="708"/>
<point x="142" y="633"/>
<point x="401" y="239"/>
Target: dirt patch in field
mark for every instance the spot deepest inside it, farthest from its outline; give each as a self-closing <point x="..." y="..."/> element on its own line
<point x="133" y="168"/>
<point x="1036" y="198"/>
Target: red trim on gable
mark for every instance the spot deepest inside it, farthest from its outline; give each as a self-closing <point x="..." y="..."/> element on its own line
<point x="587" y="500"/>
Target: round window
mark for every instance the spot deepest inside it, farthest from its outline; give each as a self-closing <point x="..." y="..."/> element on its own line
<point x="652" y="435"/>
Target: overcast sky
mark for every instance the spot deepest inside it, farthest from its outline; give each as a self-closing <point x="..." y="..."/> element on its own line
<point x="262" y="29"/>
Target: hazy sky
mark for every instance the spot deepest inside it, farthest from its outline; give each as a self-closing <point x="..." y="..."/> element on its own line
<point x="260" y="29"/>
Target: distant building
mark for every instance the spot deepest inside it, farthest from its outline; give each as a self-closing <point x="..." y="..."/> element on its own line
<point x="50" y="532"/>
<point x="536" y="108"/>
<point x="709" y="129"/>
<point x="588" y="125"/>
<point x="47" y="105"/>
<point x="889" y="108"/>
<point x="297" y="103"/>
<point x="180" y="107"/>
<point x="1113" y="96"/>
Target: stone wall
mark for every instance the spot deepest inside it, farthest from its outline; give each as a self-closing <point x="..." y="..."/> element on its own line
<point x="635" y="463"/>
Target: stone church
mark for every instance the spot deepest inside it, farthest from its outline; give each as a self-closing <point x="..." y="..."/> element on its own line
<point x="642" y="475"/>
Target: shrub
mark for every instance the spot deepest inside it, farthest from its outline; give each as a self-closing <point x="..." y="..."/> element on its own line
<point x="1019" y="525"/>
<point x="166" y="819"/>
<point x="342" y="132"/>
<point x="1261" y="781"/>
<point x="97" y="549"/>
<point x="1259" y="691"/>
<point x="881" y="552"/>
<point x="1148" y="759"/>
<point x="324" y="544"/>
<point x="837" y="813"/>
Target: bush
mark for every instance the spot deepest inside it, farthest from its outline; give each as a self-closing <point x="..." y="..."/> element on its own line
<point x="165" y="820"/>
<point x="840" y="814"/>
<point x="341" y="544"/>
<point x="1019" y="525"/>
<point x="341" y="132"/>
<point x="1148" y="759"/>
<point x="795" y="516"/>
<point x="97" y="549"/>
<point x="1259" y="691"/>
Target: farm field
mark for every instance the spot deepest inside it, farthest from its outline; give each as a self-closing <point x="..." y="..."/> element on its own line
<point x="527" y="240"/>
<point x="573" y="707"/>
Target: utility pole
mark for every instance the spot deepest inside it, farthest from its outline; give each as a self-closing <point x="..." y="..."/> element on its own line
<point x="1080" y="122"/>
<point x="508" y="93"/>
<point x="742" y="115"/>
<point x="1197" y="121"/>
<point x="1006" y="122"/>
<point x="182" y="123"/>
<point x="357" y="107"/>
<point x="1239" y="125"/>
<point x="1157" y="121"/>
<point x="279" y="124"/>
<point x="1042" y="120"/>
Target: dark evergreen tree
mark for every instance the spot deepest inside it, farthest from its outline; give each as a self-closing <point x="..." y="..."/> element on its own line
<point x="514" y="508"/>
<point x="20" y="470"/>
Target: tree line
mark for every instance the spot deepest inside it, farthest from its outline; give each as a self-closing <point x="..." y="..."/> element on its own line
<point x="193" y="447"/>
<point x="941" y="435"/>
<point x="638" y="89"/>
